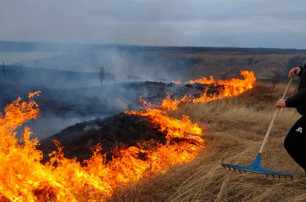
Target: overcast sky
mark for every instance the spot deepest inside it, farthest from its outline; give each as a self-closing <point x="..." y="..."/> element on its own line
<point x="220" y="23"/>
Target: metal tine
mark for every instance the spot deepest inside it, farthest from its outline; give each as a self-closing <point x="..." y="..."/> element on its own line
<point x="267" y="175"/>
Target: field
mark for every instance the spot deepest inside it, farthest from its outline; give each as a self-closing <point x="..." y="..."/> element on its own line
<point x="234" y="130"/>
<point x="126" y="63"/>
<point x="73" y="96"/>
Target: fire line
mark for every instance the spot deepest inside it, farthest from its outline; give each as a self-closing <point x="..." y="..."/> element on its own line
<point x="24" y="178"/>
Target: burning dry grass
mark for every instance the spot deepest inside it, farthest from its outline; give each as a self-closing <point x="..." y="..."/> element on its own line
<point x="234" y="129"/>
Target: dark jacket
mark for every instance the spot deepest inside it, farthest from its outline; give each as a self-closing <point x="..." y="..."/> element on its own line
<point x="298" y="100"/>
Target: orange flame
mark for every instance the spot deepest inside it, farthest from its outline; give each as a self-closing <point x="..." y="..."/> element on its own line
<point x="176" y="82"/>
<point x="24" y="178"/>
<point x="229" y="88"/>
<point x="204" y="80"/>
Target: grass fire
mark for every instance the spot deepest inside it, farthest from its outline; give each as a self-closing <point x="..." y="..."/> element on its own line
<point x="152" y="101"/>
<point x="25" y="178"/>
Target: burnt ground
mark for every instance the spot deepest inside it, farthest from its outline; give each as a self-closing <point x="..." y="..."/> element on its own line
<point x="114" y="132"/>
<point x="121" y="130"/>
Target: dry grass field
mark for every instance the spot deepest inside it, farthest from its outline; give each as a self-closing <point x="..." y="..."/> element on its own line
<point x="228" y="63"/>
<point x="234" y="130"/>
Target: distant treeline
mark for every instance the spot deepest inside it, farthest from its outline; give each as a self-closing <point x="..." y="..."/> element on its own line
<point x="48" y="47"/>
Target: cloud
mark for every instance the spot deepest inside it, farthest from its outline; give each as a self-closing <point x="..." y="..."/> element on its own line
<point x="157" y="22"/>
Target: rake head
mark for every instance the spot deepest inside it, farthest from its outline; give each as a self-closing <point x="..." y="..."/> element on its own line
<point x="255" y="167"/>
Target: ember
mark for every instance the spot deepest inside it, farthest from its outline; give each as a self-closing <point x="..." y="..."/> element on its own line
<point x="24" y="178"/>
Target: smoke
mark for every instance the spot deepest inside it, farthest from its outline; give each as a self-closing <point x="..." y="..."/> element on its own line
<point x="70" y="82"/>
<point x="46" y="126"/>
<point x="121" y="63"/>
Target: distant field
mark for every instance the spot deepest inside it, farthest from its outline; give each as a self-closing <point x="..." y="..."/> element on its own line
<point x="155" y="63"/>
<point x="11" y="58"/>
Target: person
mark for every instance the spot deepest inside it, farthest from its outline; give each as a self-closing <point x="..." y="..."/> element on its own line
<point x="295" y="141"/>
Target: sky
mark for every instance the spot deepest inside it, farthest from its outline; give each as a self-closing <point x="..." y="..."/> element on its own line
<point x="215" y="23"/>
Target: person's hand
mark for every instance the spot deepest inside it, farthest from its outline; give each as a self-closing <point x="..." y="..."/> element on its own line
<point x="294" y="71"/>
<point x="280" y="103"/>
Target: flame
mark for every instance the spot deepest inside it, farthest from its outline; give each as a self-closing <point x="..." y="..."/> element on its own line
<point x="24" y="178"/>
<point x="204" y="80"/>
<point x="169" y="104"/>
<point x="176" y="82"/>
<point x="229" y="88"/>
<point x="182" y="129"/>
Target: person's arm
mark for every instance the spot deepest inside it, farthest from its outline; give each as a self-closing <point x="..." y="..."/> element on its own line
<point x="302" y="69"/>
<point x="297" y="99"/>
<point x="293" y="101"/>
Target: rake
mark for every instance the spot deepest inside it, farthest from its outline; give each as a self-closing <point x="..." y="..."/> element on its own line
<point x="255" y="166"/>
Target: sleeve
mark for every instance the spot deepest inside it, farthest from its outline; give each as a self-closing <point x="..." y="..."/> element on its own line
<point x="302" y="69"/>
<point x="297" y="99"/>
<point x="300" y="97"/>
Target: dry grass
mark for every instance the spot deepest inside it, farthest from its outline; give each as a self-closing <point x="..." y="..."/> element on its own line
<point x="234" y="129"/>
